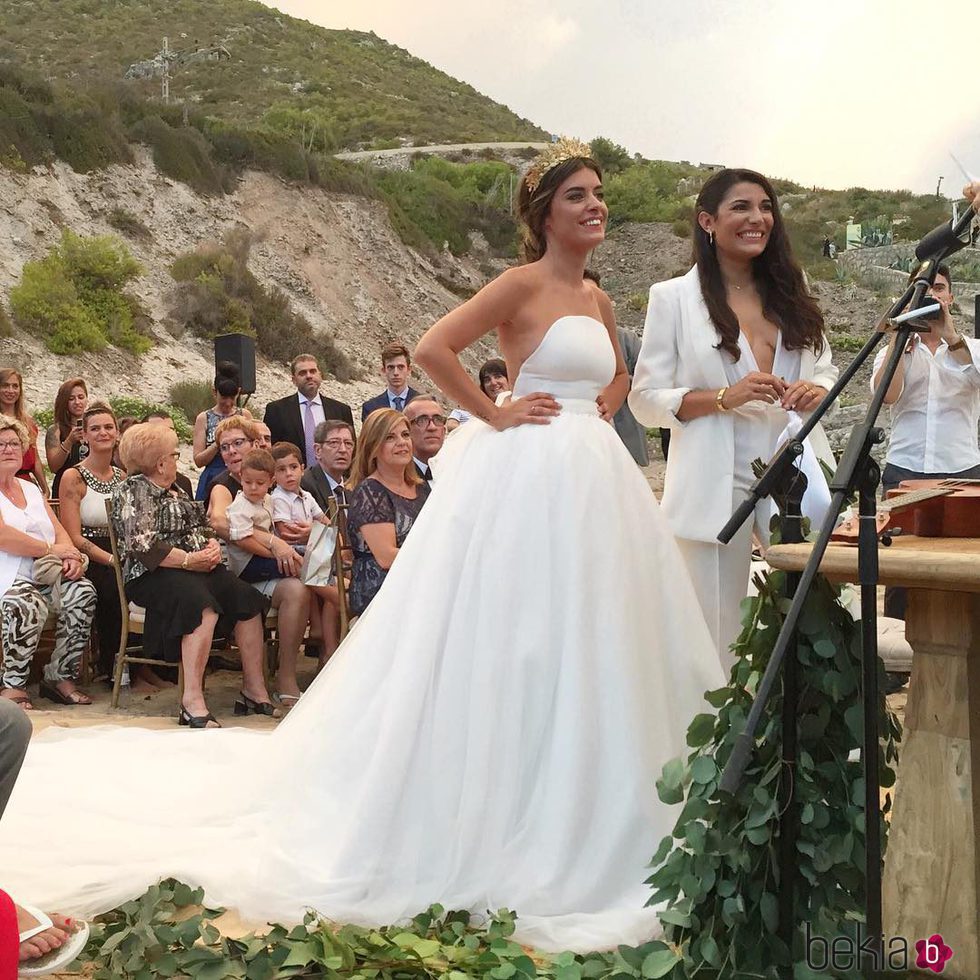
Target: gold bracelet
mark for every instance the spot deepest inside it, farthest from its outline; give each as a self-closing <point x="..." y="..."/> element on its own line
<point x="719" y="399"/>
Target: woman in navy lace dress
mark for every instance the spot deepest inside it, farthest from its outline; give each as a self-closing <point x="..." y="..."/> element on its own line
<point x="387" y="498"/>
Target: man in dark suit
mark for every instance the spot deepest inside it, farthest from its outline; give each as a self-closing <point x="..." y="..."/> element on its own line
<point x="333" y="445"/>
<point x="427" y="424"/>
<point x="396" y="368"/>
<point x="295" y="418"/>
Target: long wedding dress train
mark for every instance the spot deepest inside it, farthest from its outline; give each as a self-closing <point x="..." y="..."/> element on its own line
<point x="488" y="735"/>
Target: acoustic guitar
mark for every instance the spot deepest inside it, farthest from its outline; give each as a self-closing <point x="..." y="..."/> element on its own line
<point x="925" y="508"/>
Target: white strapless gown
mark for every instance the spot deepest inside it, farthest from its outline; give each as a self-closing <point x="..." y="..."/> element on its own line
<point x="488" y="736"/>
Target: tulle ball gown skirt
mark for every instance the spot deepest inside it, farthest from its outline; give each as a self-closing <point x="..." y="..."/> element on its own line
<point x="488" y="736"/>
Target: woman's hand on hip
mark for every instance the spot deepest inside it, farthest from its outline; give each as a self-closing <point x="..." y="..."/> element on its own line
<point x="537" y="408"/>
<point x="802" y="396"/>
<point x="755" y="386"/>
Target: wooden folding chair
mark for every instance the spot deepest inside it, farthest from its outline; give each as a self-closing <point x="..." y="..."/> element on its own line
<point x="133" y="618"/>
<point x="338" y="516"/>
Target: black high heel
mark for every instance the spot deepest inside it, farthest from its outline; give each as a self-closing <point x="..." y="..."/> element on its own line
<point x="197" y="721"/>
<point x="247" y="706"/>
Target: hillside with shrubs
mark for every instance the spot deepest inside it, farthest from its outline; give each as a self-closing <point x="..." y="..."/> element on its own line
<point x="133" y="230"/>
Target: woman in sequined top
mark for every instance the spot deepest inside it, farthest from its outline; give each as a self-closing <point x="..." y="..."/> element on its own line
<point x="172" y="567"/>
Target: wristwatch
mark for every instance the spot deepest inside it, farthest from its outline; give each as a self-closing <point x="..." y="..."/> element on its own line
<point x="959" y="345"/>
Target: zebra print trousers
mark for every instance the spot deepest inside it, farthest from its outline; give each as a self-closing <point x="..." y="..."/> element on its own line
<point x="23" y="611"/>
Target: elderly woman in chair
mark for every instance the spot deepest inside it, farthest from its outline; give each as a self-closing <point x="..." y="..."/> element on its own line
<point x="29" y="531"/>
<point x="172" y="567"/>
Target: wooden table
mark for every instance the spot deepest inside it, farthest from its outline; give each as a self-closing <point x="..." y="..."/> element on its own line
<point x="932" y="876"/>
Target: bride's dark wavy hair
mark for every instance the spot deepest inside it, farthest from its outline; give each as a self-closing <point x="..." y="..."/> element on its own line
<point x="533" y="206"/>
<point x="778" y="276"/>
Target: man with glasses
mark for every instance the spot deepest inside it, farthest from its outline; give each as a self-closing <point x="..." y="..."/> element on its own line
<point x="427" y="424"/>
<point x="333" y="446"/>
<point x="263" y="438"/>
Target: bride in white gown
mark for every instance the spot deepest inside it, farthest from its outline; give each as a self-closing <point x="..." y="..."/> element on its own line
<point x="489" y="734"/>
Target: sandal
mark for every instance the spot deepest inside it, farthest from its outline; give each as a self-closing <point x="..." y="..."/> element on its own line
<point x="286" y="700"/>
<point x="57" y="959"/>
<point x="22" y="699"/>
<point x="247" y="706"/>
<point x="197" y="721"/>
<point x="73" y="698"/>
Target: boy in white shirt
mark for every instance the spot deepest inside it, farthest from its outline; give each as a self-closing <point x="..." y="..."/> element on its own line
<point x="293" y="511"/>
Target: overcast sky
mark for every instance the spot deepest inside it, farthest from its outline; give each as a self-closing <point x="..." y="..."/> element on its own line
<point x="830" y="92"/>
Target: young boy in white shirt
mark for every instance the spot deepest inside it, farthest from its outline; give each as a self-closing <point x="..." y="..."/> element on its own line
<point x="293" y="511"/>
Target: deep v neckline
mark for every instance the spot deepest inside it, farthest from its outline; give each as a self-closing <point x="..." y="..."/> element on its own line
<point x="751" y="353"/>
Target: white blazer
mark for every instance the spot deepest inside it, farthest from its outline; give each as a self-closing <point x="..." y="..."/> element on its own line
<point x="679" y="354"/>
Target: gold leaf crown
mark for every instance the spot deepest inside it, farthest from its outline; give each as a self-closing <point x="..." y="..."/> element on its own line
<point x="558" y="152"/>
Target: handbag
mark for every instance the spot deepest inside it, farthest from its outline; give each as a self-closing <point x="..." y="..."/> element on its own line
<point x="317" y="567"/>
<point x="47" y="571"/>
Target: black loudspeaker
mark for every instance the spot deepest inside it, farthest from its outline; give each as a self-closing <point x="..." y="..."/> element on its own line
<point x="238" y="348"/>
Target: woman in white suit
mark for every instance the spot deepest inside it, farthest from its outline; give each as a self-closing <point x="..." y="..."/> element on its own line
<point x="728" y="350"/>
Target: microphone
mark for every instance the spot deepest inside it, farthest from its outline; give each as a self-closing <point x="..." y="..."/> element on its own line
<point x="947" y="238"/>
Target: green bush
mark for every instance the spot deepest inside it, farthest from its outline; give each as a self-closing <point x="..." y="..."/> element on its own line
<point x="86" y="138"/>
<point x="139" y="408"/>
<point x="192" y="397"/>
<point x="681" y="228"/>
<point x="74" y="297"/>
<point x="219" y="294"/>
<point x="183" y="154"/>
<point x="610" y="156"/>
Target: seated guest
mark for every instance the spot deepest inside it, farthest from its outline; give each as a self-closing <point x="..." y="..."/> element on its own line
<point x="160" y="417"/>
<point x="235" y="438"/>
<point x="172" y="567"/>
<point x="227" y="388"/>
<point x="295" y="418"/>
<point x="63" y="443"/>
<point x="29" y="531"/>
<point x="493" y="378"/>
<point x="386" y="498"/>
<point x="12" y="405"/>
<point x="428" y="427"/>
<point x="263" y="436"/>
<point x="333" y="446"/>
<point x="289" y="597"/>
<point x="396" y="368"/>
<point x="84" y="490"/>
<point x="34" y="940"/>
<point x="294" y="510"/>
<point x="123" y="423"/>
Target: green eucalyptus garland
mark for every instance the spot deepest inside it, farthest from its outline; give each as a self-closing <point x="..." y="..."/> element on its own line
<point x="718" y="873"/>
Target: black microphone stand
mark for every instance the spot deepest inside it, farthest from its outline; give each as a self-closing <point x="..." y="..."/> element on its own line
<point x="857" y="470"/>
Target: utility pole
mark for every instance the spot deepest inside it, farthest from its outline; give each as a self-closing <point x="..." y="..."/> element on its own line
<point x="938" y="182"/>
<point x="166" y="71"/>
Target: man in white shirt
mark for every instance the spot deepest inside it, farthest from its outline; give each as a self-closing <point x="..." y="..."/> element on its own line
<point x="935" y="405"/>
<point x="427" y="424"/>
<point x="934" y="399"/>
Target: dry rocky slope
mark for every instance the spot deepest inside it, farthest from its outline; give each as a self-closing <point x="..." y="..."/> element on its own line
<point x="335" y="256"/>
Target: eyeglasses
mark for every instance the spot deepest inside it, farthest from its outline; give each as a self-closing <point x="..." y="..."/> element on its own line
<point x="422" y="421"/>
<point x="338" y="443"/>
<point x="11" y="445"/>
<point x="235" y="444"/>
